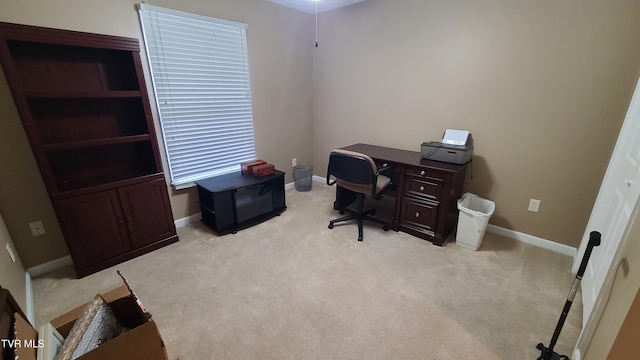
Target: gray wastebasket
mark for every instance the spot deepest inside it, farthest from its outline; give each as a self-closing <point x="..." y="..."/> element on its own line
<point x="302" y="175"/>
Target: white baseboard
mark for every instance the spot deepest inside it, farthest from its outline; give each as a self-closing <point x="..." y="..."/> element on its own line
<point x="512" y="234"/>
<point x="187" y="220"/>
<point x="576" y="354"/>
<point x="196" y="217"/>
<point x="29" y="297"/>
<point x="289" y="186"/>
<point x="50" y="266"/>
<point x="314" y="178"/>
<point x="533" y="240"/>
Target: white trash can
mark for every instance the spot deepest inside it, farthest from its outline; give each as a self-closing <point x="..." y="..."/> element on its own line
<point x="473" y="219"/>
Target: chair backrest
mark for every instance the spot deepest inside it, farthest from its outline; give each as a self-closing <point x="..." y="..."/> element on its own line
<point x="351" y="166"/>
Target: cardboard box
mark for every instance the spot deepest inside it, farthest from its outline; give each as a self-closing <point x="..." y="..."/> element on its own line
<point x="19" y="340"/>
<point x="264" y="170"/>
<point x="247" y="167"/>
<point x="142" y="342"/>
<point x="25" y="339"/>
<point x="9" y="311"/>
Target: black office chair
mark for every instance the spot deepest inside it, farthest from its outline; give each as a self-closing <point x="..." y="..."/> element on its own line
<point x="358" y="173"/>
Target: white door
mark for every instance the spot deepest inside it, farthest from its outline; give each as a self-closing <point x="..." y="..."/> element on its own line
<point x="613" y="207"/>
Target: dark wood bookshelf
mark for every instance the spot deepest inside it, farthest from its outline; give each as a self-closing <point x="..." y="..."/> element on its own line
<point x="80" y="95"/>
<point x="96" y="143"/>
<point x="83" y="102"/>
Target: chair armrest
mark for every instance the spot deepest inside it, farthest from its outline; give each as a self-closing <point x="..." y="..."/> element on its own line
<point x="329" y="182"/>
<point x="375" y="180"/>
<point x="382" y="170"/>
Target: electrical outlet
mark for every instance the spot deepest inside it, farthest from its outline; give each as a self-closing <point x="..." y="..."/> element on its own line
<point x="294" y="162"/>
<point x="534" y="205"/>
<point x="37" y="228"/>
<point x="11" y="254"/>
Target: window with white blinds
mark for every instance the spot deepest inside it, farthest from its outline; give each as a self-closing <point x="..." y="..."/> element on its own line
<point x="200" y="74"/>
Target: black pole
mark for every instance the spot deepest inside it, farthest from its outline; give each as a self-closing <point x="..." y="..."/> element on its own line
<point x="548" y="353"/>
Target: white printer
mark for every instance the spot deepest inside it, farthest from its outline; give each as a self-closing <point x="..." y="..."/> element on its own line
<point x="456" y="147"/>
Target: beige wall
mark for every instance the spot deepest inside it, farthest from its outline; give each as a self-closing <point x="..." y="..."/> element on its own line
<point x="23" y="197"/>
<point x="625" y="346"/>
<point x="543" y="86"/>
<point x="280" y="41"/>
<point x="12" y="275"/>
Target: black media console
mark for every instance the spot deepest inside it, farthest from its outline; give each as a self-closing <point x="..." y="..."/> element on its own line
<point x="235" y="201"/>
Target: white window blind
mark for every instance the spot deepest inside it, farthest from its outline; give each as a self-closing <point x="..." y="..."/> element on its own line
<point x="200" y="74"/>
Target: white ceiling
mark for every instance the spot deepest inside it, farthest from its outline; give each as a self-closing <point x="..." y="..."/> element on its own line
<point x="310" y="5"/>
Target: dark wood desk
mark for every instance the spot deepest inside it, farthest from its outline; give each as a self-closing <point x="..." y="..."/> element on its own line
<point x="426" y="191"/>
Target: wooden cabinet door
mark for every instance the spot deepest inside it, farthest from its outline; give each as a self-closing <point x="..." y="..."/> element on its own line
<point x="93" y="226"/>
<point x="147" y="212"/>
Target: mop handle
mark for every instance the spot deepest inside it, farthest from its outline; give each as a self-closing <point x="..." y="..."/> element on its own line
<point x="594" y="240"/>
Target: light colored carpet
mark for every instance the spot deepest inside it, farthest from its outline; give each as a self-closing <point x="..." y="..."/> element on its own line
<point x="290" y="288"/>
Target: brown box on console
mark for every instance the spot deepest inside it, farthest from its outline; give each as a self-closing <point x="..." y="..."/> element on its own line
<point x="247" y="167"/>
<point x="264" y="170"/>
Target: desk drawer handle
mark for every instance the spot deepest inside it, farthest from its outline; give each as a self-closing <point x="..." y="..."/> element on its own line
<point x="417" y="214"/>
<point x="421" y="188"/>
<point x="422" y="172"/>
<point x="384" y="165"/>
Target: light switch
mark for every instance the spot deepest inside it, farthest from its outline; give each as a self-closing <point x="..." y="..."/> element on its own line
<point x="534" y="205"/>
<point x="11" y="254"/>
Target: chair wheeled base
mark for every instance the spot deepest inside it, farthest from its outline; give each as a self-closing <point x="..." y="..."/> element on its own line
<point x="359" y="215"/>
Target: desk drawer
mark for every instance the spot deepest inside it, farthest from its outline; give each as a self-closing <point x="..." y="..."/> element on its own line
<point x="427" y="188"/>
<point x="380" y="163"/>
<point x="424" y="172"/>
<point x="419" y="213"/>
<point x="383" y="164"/>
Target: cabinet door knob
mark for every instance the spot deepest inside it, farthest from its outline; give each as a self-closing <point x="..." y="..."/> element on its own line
<point x="421" y="188"/>
<point x="384" y="165"/>
<point x="417" y="214"/>
<point x="422" y="172"/>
